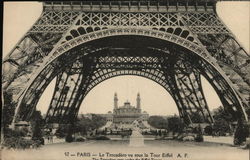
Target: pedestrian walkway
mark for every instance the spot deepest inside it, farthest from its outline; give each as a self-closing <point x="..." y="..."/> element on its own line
<point x="221" y="139"/>
<point x="136" y="139"/>
<point x="53" y="140"/>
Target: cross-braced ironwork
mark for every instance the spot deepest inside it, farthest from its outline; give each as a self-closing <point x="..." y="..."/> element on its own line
<point x="84" y="43"/>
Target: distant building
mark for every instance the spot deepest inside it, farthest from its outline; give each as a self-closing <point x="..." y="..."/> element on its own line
<point x="122" y="116"/>
<point x="127" y="113"/>
<point x="144" y="116"/>
<point x="108" y="116"/>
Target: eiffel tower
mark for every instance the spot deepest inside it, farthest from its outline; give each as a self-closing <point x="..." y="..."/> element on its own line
<point x="83" y="43"/>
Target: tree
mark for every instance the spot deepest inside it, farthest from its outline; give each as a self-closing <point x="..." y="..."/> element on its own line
<point x="241" y="133"/>
<point x="83" y="125"/>
<point x="37" y="123"/>
<point x="175" y="124"/>
<point x="62" y="131"/>
<point x="8" y="110"/>
<point x="222" y="121"/>
<point x="221" y="127"/>
<point x="199" y="136"/>
<point x="158" y="122"/>
<point x="98" y="120"/>
<point x="208" y="130"/>
<point x="69" y="138"/>
<point x="197" y="117"/>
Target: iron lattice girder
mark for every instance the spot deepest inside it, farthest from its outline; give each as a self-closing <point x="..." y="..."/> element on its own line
<point x="26" y="57"/>
<point x="30" y="101"/>
<point x="132" y="2"/>
<point x="36" y="89"/>
<point x="233" y="59"/>
<point x="34" y="93"/>
<point x="189" y="86"/>
<point x="30" y="52"/>
<point x="62" y="88"/>
<point x="180" y="27"/>
<point x="104" y="71"/>
<point x="177" y="23"/>
<point x="221" y="87"/>
<point x="152" y="74"/>
<point x="64" y="105"/>
<point x="63" y="98"/>
<point x="124" y="58"/>
<point x="58" y="116"/>
<point x="59" y="103"/>
<point x="198" y="22"/>
<point x="164" y="51"/>
<point x="52" y="23"/>
<point x="133" y="5"/>
<point x="126" y="62"/>
<point x="202" y="22"/>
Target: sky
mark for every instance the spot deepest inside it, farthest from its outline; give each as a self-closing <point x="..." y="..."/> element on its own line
<point x="20" y="16"/>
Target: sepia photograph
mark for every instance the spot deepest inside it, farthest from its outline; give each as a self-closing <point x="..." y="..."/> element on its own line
<point x="126" y="80"/>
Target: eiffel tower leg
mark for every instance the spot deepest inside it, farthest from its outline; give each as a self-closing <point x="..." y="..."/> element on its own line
<point x="69" y="93"/>
<point x="173" y="89"/>
<point x="64" y="27"/>
<point x="174" y="92"/>
<point x="29" y="104"/>
<point x="63" y="90"/>
<point x="229" y="56"/>
<point x="188" y="83"/>
<point x="233" y="60"/>
<point x="228" y="100"/>
<point x="29" y="54"/>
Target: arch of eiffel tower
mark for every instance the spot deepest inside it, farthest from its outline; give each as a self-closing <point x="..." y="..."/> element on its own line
<point x="83" y="43"/>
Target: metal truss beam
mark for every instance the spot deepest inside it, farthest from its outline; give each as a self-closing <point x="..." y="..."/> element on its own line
<point x="67" y="96"/>
<point x="132" y="6"/>
<point x="65" y="30"/>
<point x="189" y="86"/>
<point x="224" y="92"/>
